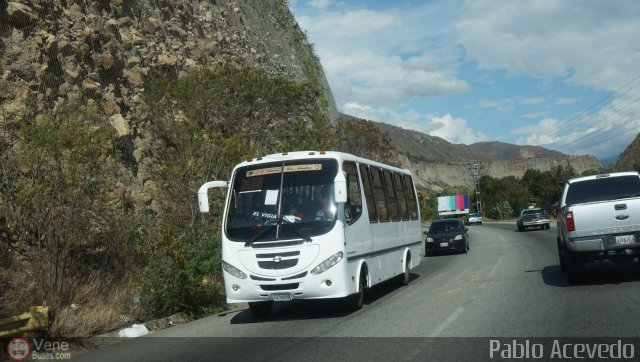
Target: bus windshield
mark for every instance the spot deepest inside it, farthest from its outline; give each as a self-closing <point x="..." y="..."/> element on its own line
<point x="282" y="200"/>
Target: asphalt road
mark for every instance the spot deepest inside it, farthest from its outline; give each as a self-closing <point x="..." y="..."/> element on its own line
<point x="509" y="285"/>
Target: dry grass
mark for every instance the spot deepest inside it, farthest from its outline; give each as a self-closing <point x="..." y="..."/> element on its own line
<point x="98" y="305"/>
<point x="86" y="304"/>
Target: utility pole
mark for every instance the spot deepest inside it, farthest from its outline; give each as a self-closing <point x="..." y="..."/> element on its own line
<point x="475" y="172"/>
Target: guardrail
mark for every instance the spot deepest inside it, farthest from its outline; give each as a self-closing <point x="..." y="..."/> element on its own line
<point x="35" y="319"/>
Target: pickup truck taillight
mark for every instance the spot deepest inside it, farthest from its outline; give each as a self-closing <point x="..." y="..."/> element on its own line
<point x="571" y="226"/>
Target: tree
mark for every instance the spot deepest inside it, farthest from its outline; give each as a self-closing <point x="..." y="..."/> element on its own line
<point x="557" y="178"/>
<point x="497" y="192"/>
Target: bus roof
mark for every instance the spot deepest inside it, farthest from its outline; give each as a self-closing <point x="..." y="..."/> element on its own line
<point x="297" y="155"/>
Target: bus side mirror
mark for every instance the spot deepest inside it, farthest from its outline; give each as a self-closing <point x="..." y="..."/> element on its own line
<point x="203" y="198"/>
<point x="340" y="189"/>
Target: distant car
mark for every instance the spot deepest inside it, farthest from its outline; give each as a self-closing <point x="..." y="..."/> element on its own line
<point x="533" y="218"/>
<point x="474" y="219"/>
<point x="445" y="236"/>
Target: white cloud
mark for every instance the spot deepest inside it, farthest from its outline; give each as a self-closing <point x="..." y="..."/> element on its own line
<point x="380" y="56"/>
<point x="541" y="133"/>
<point x="364" y="76"/>
<point x="590" y="43"/>
<point x="604" y="133"/>
<point x="350" y="24"/>
<point x="534" y="115"/>
<point x="455" y="130"/>
<point x="564" y="101"/>
<point x="452" y="129"/>
<point x="510" y="103"/>
<point x="409" y="118"/>
<point x="320" y="4"/>
<point x="501" y="105"/>
<point x="532" y="100"/>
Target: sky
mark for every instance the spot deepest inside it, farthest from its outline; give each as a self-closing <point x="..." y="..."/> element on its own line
<point x="562" y="74"/>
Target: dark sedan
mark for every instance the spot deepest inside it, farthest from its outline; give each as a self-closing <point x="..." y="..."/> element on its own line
<point x="447" y="235"/>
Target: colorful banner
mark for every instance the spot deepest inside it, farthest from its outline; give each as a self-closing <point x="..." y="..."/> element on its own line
<point x="452" y="205"/>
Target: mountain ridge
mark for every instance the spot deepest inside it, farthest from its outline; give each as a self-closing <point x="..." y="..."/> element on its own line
<point x="438" y="163"/>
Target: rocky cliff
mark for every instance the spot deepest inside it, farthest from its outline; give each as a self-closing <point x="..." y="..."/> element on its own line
<point x="102" y="52"/>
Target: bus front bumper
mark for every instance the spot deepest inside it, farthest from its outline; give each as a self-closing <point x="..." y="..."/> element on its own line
<point x="333" y="283"/>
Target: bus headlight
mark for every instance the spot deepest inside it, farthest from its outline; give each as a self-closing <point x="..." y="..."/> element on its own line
<point x="233" y="270"/>
<point x="429" y="240"/>
<point x="458" y="237"/>
<point x="327" y="264"/>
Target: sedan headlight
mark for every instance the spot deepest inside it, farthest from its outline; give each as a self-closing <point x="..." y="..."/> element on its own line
<point x="429" y="240"/>
<point x="233" y="270"/>
<point x="458" y="237"/>
<point x="327" y="264"/>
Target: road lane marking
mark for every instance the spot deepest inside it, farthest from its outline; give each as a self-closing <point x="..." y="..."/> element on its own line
<point x="438" y="331"/>
<point x="492" y="273"/>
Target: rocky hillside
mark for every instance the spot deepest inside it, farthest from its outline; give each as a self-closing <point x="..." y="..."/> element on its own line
<point x="630" y="158"/>
<point x="102" y="52"/>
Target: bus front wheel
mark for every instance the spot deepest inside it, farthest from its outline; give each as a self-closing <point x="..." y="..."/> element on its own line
<point x="261" y="309"/>
<point x="406" y="276"/>
<point x="357" y="300"/>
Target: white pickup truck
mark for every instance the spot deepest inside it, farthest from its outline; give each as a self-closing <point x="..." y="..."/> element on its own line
<point x="599" y="219"/>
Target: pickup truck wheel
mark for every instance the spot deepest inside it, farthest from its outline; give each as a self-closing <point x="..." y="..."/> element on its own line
<point x="563" y="264"/>
<point x="575" y="267"/>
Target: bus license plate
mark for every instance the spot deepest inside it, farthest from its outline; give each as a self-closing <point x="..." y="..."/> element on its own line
<point x="280" y="297"/>
<point x="444" y="245"/>
<point x="625" y="239"/>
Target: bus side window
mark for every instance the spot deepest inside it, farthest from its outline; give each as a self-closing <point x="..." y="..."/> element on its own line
<point x="391" y="196"/>
<point x="413" y="205"/>
<point x="379" y="194"/>
<point x="402" y="196"/>
<point x="353" y="207"/>
<point x="368" y="193"/>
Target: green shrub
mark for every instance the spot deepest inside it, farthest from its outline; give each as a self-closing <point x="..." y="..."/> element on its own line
<point x="500" y="210"/>
<point x="206" y="123"/>
<point x="61" y="220"/>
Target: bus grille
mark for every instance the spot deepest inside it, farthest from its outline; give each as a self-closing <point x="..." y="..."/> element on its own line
<point x="272" y="265"/>
<point x="280" y="286"/>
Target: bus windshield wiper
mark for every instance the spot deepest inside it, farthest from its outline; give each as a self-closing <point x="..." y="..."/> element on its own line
<point x="261" y="234"/>
<point x="295" y="227"/>
<point x="279" y="221"/>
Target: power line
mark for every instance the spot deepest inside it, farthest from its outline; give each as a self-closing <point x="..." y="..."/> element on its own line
<point x="604" y="132"/>
<point x="579" y="119"/>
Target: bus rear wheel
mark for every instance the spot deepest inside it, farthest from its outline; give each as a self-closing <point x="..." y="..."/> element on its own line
<point x="261" y="309"/>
